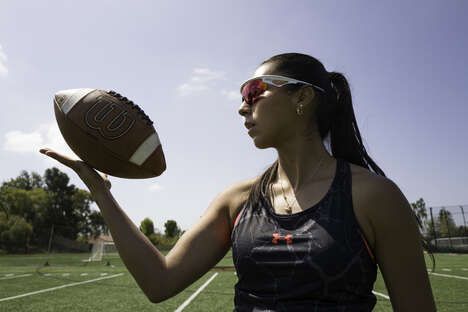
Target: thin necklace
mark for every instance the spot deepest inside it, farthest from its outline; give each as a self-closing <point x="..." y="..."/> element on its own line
<point x="289" y="209"/>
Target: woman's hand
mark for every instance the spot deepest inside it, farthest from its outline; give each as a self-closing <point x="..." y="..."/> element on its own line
<point x="88" y="175"/>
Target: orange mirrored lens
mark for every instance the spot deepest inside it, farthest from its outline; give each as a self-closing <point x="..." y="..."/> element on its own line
<point x="252" y="90"/>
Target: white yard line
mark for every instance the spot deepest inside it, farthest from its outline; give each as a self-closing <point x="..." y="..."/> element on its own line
<point x="447" y="275"/>
<point x="14" y="276"/>
<point x="59" y="287"/>
<point x="187" y="302"/>
<point x="381" y="295"/>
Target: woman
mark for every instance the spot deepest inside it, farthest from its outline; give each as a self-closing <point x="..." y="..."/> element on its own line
<point x="308" y="233"/>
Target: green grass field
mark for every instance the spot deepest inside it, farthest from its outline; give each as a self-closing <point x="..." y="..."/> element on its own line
<point x="68" y="284"/>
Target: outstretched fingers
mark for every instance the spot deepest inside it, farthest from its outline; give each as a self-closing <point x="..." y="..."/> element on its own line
<point x="59" y="157"/>
<point x="87" y="173"/>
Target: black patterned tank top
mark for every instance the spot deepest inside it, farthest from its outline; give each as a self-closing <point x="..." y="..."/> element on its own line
<point x="313" y="260"/>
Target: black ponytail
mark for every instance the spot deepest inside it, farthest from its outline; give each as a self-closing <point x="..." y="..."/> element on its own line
<point x="346" y="141"/>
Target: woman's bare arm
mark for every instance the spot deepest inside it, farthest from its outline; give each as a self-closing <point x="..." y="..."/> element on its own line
<point x="398" y="247"/>
<point x="206" y="243"/>
<point x="144" y="261"/>
<point x="196" y="252"/>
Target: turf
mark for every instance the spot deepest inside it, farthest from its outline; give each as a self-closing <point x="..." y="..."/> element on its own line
<point x="121" y="293"/>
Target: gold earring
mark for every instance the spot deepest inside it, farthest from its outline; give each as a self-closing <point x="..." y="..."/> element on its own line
<point x="299" y="110"/>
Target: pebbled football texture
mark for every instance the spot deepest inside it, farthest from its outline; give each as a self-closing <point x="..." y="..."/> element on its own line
<point x="110" y="133"/>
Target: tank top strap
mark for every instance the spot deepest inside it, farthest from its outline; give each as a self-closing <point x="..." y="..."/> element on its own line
<point x="348" y="212"/>
<point x="342" y="173"/>
<point x="341" y="191"/>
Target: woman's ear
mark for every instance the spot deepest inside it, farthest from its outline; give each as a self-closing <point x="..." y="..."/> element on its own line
<point x="304" y="95"/>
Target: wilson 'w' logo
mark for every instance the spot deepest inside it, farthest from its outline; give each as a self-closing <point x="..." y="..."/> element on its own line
<point x="278" y="237"/>
<point x="111" y="121"/>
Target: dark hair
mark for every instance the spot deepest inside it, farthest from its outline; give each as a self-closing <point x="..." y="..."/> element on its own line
<point x="334" y="117"/>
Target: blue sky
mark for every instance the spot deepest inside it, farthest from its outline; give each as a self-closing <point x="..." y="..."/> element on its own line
<point x="182" y="62"/>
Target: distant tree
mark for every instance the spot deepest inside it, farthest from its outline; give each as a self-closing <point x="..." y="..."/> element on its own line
<point x="60" y="211"/>
<point x="432" y="229"/>
<point x="3" y="222"/>
<point x="31" y="205"/>
<point x="96" y="225"/>
<point x="21" y="202"/>
<point x="156" y="239"/>
<point x="81" y="210"/>
<point x="171" y="228"/>
<point x="419" y="209"/>
<point x="26" y="181"/>
<point x="69" y="210"/>
<point x="15" y="233"/>
<point x="446" y="224"/>
<point x="50" y="202"/>
<point x="15" y="201"/>
<point x="147" y="227"/>
<point x="462" y="231"/>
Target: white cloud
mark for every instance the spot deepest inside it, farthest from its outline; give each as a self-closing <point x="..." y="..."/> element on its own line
<point x="155" y="187"/>
<point x="17" y="141"/>
<point x="205" y="75"/>
<point x="46" y="135"/>
<point x="187" y="88"/>
<point x="200" y="80"/>
<point x="231" y="95"/>
<point x="3" y="60"/>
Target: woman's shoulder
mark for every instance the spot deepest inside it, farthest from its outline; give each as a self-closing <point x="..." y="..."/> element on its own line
<point x="366" y="184"/>
<point x="373" y="196"/>
<point x="369" y="184"/>
<point x="237" y="195"/>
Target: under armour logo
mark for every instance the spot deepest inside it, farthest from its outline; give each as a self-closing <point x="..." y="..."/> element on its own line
<point x="278" y="237"/>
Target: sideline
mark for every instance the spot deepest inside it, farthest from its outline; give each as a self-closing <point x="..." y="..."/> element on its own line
<point x="59" y="287"/>
<point x="448" y="275"/>
<point x="187" y="302"/>
<point x="14" y="276"/>
<point x="381" y="295"/>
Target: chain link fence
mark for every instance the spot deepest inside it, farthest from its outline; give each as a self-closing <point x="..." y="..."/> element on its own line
<point x="445" y="228"/>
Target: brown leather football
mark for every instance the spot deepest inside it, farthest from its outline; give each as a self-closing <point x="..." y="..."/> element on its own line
<point x="110" y="133"/>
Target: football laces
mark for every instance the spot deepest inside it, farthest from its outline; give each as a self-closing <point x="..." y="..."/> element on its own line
<point x="132" y="105"/>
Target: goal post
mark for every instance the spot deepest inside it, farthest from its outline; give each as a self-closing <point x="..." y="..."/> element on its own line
<point x="103" y="248"/>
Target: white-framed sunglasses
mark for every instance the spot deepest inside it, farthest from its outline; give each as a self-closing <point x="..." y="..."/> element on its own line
<point x="256" y="86"/>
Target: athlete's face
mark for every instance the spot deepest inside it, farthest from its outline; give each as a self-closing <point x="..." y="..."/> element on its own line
<point x="273" y="113"/>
